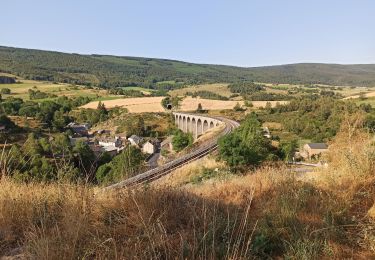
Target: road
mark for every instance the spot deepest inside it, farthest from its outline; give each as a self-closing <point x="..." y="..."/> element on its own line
<point x="152" y="162"/>
<point x="169" y="167"/>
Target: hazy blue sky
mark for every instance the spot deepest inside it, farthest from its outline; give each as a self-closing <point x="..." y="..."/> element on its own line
<point x="237" y="32"/>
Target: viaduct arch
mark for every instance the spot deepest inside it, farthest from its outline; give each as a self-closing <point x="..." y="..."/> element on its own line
<point x="195" y="124"/>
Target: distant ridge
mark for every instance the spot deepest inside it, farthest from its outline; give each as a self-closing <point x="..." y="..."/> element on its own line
<point x="115" y="71"/>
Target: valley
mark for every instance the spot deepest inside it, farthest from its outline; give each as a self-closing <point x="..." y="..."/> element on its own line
<point x="288" y="170"/>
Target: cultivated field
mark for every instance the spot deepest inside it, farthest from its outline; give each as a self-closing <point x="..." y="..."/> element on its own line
<point x="189" y="104"/>
<point x="153" y="104"/>
<point x="367" y="95"/>
<point x="134" y="105"/>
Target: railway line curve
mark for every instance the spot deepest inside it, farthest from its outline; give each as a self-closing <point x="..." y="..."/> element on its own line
<point x="196" y="154"/>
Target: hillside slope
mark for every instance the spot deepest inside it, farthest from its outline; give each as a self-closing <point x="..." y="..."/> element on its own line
<point x="115" y="71"/>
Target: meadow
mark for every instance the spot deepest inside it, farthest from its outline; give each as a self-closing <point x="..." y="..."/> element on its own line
<point x="218" y="88"/>
<point x="21" y="88"/>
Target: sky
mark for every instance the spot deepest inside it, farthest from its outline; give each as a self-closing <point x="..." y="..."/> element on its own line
<point x="237" y="32"/>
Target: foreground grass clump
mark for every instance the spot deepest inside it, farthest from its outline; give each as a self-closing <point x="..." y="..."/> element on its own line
<point x="70" y="222"/>
<point x="286" y="218"/>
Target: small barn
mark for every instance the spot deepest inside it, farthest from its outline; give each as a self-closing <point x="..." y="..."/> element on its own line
<point x="150" y="146"/>
<point x="135" y="140"/>
<point x="313" y="149"/>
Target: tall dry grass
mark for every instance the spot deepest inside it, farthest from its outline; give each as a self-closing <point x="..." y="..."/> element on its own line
<point x="267" y="213"/>
<point x="59" y="221"/>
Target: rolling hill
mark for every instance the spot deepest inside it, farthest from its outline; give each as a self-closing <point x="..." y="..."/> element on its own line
<point x="114" y="71"/>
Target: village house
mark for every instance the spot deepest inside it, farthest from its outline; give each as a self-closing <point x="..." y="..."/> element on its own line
<point x="135" y="140"/>
<point x="150" y="146"/>
<point x="79" y="129"/>
<point x="114" y="142"/>
<point x="313" y="149"/>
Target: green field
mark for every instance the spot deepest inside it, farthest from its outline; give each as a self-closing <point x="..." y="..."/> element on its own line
<point x="218" y="88"/>
<point x="20" y="89"/>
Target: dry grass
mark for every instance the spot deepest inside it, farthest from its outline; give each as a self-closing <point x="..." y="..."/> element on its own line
<point x="190" y="104"/>
<point x="70" y="222"/>
<point x="183" y="175"/>
<point x="266" y="213"/>
<point x="367" y="95"/>
<point x="153" y="104"/>
<point x="134" y="105"/>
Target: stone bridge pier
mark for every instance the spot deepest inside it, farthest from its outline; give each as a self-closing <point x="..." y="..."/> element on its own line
<point x="195" y="124"/>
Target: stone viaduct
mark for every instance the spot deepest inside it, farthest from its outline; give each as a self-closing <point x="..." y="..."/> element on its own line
<point x="195" y="124"/>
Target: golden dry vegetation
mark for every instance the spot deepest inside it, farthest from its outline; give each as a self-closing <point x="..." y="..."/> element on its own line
<point x="365" y="95"/>
<point x="202" y="211"/>
<point x="190" y="103"/>
<point x="134" y="105"/>
<point x="153" y="104"/>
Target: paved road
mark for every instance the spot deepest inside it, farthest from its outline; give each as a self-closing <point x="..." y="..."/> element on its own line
<point x="153" y="160"/>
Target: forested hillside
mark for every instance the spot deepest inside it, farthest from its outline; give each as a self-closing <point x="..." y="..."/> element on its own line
<point x="113" y="71"/>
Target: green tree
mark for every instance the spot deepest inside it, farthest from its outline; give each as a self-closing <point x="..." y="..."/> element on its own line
<point x="31" y="147"/>
<point x="181" y="140"/>
<point x="85" y="159"/>
<point x="60" y="120"/>
<point x="199" y="108"/>
<point x="127" y="163"/>
<point x="288" y="150"/>
<point x="238" y="107"/>
<point x="6" y="91"/>
<point x="246" y="145"/>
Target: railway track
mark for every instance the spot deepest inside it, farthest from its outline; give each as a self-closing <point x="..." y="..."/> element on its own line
<point x="167" y="168"/>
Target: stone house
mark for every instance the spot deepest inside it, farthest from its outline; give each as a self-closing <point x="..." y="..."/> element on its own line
<point x="135" y="140"/>
<point x="150" y="147"/>
<point x="313" y="149"/>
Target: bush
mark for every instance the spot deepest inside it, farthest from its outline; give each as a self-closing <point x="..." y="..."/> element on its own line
<point x="246" y="145"/>
<point x="6" y="91"/>
<point x="181" y="140"/>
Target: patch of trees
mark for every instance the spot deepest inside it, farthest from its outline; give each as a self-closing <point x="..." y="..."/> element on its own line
<point x="207" y="95"/>
<point x="246" y="146"/>
<point x="41" y="159"/>
<point x="170" y="102"/>
<point x="245" y="88"/>
<point x="53" y="113"/>
<point x="5" y="121"/>
<point x="128" y="163"/>
<point x="315" y="118"/>
<point x="181" y="140"/>
<point x="37" y="94"/>
<point x="93" y="116"/>
<point x="5" y="91"/>
<point x="7" y="80"/>
<point x="126" y="92"/>
<point x="255" y="92"/>
<point x="262" y="96"/>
